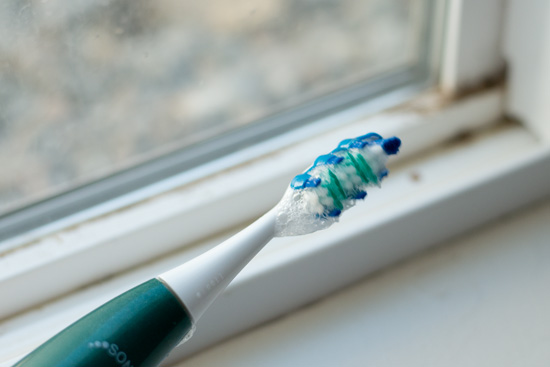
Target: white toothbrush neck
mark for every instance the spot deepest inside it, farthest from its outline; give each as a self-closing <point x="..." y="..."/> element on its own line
<point x="199" y="281"/>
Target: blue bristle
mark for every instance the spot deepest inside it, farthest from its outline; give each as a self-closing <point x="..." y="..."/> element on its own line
<point x="344" y="143"/>
<point x="391" y="145"/>
<point x="369" y="137"/>
<point x="334" y="212"/>
<point x="327" y="159"/>
<point x="383" y="174"/>
<point x="360" y="195"/>
<point x="350" y="143"/>
<point x="356" y="143"/>
<point x="304" y="180"/>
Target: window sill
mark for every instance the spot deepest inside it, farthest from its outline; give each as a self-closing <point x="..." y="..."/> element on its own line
<point x="435" y="192"/>
<point x="426" y="201"/>
<point x="442" y="185"/>
<point x="476" y="300"/>
<point x="81" y="254"/>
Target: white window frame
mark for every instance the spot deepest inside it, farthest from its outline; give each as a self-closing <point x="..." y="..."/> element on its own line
<point x="526" y="46"/>
<point x="58" y="264"/>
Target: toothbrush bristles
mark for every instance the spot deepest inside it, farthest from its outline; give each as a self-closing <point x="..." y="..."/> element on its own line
<point x="335" y="181"/>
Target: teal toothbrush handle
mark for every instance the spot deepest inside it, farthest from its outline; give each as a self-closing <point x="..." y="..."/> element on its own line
<point x="136" y="329"/>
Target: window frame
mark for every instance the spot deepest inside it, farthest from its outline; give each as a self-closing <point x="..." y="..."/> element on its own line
<point x="85" y="239"/>
<point x="198" y="161"/>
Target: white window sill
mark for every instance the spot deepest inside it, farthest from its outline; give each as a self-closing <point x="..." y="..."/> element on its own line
<point x="479" y="300"/>
<point x="81" y="254"/>
<point x="424" y="201"/>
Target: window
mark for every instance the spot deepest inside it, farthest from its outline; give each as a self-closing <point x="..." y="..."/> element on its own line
<point x="101" y="98"/>
<point x="183" y="215"/>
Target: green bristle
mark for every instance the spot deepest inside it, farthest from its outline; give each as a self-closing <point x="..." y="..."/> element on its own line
<point x="367" y="169"/>
<point x="336" y="181"/>
<point x="332" y="184"/>
<point x="357" y="167"/>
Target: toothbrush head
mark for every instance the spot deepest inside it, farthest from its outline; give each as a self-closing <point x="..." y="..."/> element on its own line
<point x="335" y="181"/>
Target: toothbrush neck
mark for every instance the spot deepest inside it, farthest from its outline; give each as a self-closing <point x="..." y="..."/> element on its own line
<point x="199" y="281"/>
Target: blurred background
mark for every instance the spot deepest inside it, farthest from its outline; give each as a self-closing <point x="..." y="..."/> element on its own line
<point x="90" y="87"/>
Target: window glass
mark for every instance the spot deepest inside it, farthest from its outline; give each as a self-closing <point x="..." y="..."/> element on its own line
<point x="89" y="87"/>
